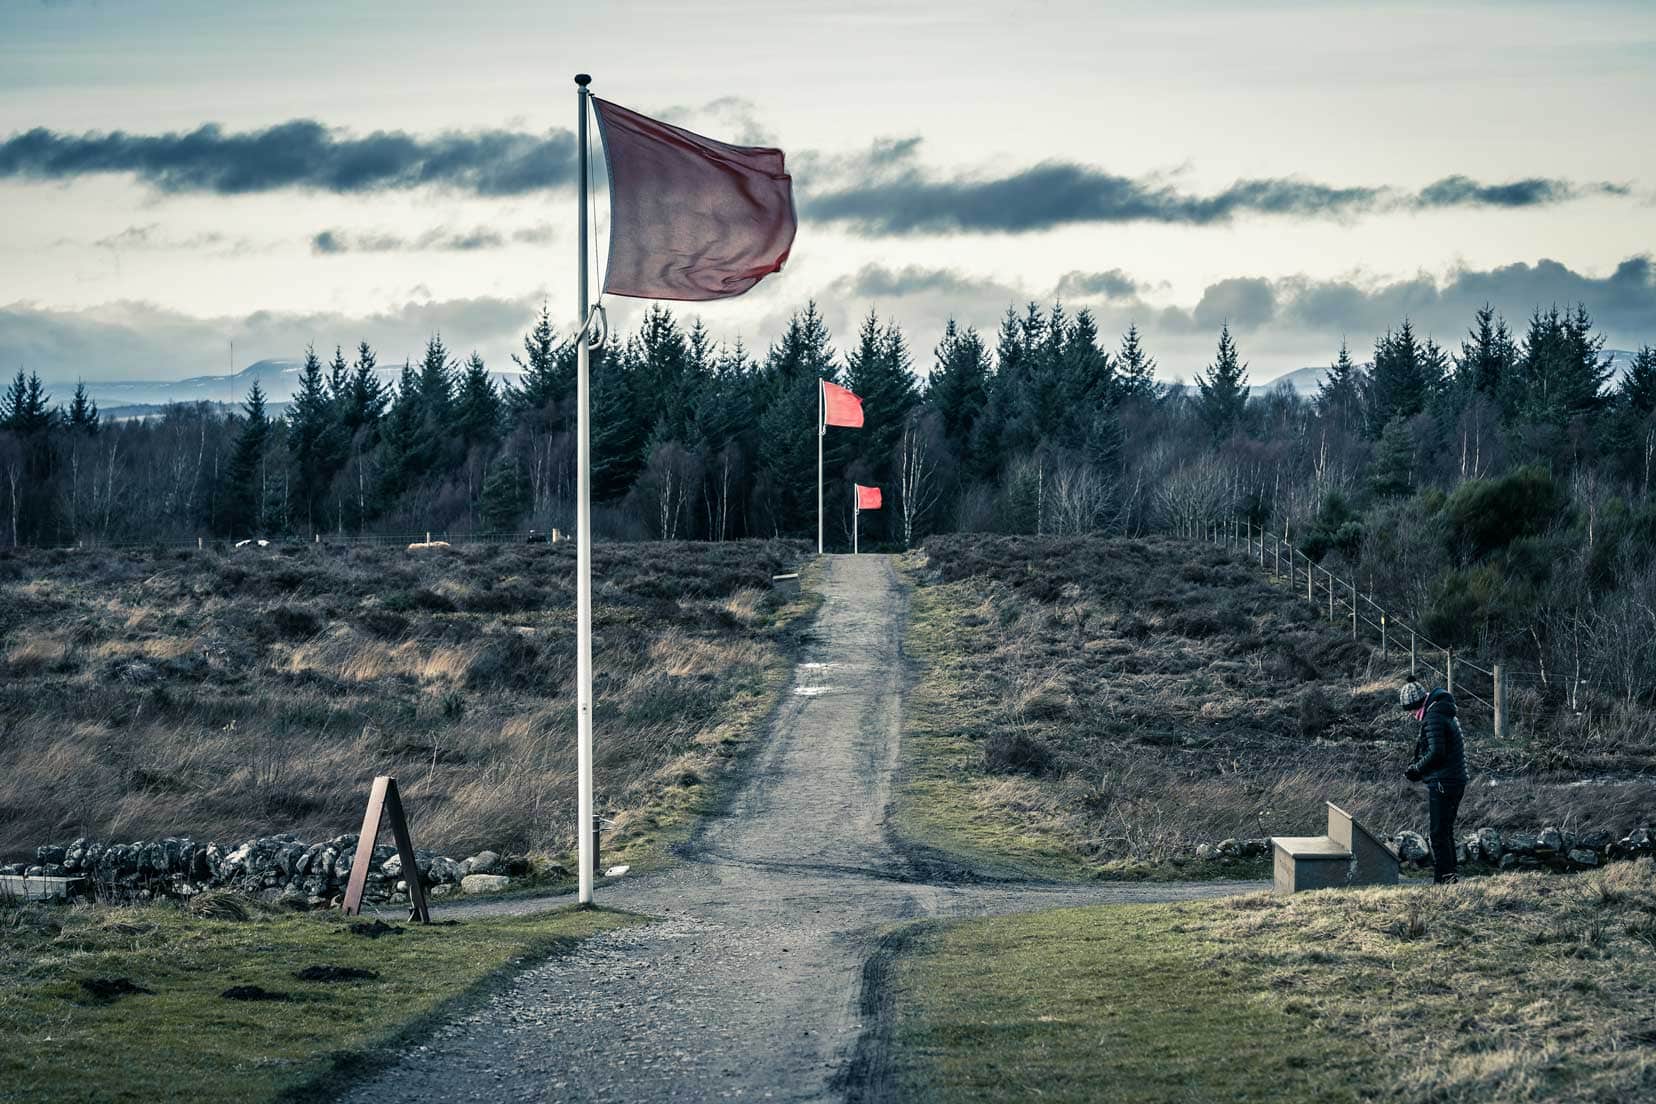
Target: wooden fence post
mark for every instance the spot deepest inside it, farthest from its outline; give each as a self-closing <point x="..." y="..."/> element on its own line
<point x="1412" y="662"/>
<point x="1330" y="575"/>
<point x="1384" y="642"/>
<point x="1354" y="610"/>
<point x="1449" y="669"/>
<point x="1310" y="581"/>
<point x="1500" y="703"/>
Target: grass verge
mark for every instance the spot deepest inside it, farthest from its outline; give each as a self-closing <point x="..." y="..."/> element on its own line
<point x="1502" y="990"/>
<point x="59" y="1041"/>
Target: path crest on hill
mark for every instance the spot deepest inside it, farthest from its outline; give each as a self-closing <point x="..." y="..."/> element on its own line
<point x="751" y="985"/>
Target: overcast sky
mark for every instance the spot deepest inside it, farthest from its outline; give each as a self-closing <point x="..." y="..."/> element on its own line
<point x="177" y="175"/>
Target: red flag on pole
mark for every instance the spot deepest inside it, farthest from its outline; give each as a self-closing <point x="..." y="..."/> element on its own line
<point x="840" y="407"/>
<point x="868" y="498"/>
<point x="690" y="217"/>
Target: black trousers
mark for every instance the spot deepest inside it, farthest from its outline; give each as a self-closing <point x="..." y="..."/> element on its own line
<point x="1442" y="804"/>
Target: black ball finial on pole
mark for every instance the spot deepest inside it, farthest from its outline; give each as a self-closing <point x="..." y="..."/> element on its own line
<point x="583" y="79"/>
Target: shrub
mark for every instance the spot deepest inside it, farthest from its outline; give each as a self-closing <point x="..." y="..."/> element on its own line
<point x="1016" y="752"/>
<point x="293" y="622"/>
<point x="1485" y="515"/>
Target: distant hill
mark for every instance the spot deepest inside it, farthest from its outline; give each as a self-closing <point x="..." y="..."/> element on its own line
<point x="1306" y="380"/>
<point x="278" y="377"/>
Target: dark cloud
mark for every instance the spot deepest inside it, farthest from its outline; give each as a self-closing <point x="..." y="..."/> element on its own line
<point x="301" y="154"/>
<point x="438" y="240"/>
<point x="1461" y="191"/>
<point x="884" y="192"/>
<point x="1244" y="302"/>
<point x="1623" y="303"/>
<point x="879" y="282"/>
<point x="1113" y="284"/>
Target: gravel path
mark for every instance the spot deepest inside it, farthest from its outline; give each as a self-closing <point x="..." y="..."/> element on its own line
<point x="751" y="986"/>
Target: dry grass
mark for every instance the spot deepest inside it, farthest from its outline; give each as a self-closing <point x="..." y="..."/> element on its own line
<point x="226" y="695"/>
<point x="1157" y="696"/>
<point x="1512" y="990"/>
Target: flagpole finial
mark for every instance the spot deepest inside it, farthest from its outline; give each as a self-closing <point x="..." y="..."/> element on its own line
<point x="583" y="79"/>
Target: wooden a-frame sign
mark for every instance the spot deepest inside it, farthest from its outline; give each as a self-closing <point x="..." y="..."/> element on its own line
<point x="384" y="800"/>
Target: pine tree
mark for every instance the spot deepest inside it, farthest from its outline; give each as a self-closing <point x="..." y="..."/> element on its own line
<point x="1393" y="472"/>
<point x="365" y="398"/>
<point x="505" y="495"/>
<point x="881" y="372"/>
<point x="1136" y="369"/>
<point x="666" y="381"/>
<point x="436" y="388"/>
<point x="26" y="407"/>
<point x="994" y="436"/>
<point x="244" y="496"/>
<point x="958" y="388"/>
<point x="339" y="377"/>
<point x="619" y="432"/>
<point x="803" y="354"/>
<point x="477" y="408"/>
<point x="1562" y="369"/>
<point x="83" y="415"/>
<point x="1638" y="388"/>
<point x="401" y="436"/>
<point x="1089" y="372"/>
<point x="548" y="368"/>
<point x="1222" y="394"/>
<point x="787" y="448"/>
<point x="1487" y="357"/>
<point x="314" y="437"/>
<point x="1340" y="394"/>
<point x="1405" y="378"/>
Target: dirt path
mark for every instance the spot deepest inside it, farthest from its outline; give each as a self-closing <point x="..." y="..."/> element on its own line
<point x="752" y="985"/>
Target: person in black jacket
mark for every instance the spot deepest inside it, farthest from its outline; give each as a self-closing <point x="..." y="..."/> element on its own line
<point x="1439" y="762"/>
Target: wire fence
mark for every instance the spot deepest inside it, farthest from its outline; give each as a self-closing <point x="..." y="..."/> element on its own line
<point x="319" y="539"/>
<point x="1508" y="697"/>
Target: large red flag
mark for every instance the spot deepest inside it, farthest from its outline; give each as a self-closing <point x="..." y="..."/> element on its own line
<point x="868" y="498"/>
<point x="840" y="407"/>
<point x="690" y="217"/>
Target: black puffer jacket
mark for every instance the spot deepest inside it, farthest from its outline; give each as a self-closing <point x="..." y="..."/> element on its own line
<point x="1440" y="752"/>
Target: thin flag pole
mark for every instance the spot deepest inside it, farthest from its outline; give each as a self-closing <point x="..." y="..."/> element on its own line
<point x="822" y="431"/>
<point x="583" y="530"/>
<point x="856" y="519"/>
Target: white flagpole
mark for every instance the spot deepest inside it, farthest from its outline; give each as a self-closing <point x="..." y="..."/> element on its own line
<point x="822" y="431"/>
<point x="856" y="518"/>
<point x="583" y="535"/>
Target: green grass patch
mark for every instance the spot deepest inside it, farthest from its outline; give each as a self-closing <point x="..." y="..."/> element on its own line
<point x="1505" y="989"/>
<point x="1105" y="1004"/>
<point x="58" y="1041"/>
<point x="945" y="801"/>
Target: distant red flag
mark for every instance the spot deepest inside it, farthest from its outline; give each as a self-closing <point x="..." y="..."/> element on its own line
<point x="840" y="407"/>
<point x="690" y="217"/>
<point x="868" y="498"/>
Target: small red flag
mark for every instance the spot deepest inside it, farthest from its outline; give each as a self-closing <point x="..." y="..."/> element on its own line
<point x="690" y="217"/>
<point x="868" y="498"/>
<point x="840" y="407"/>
